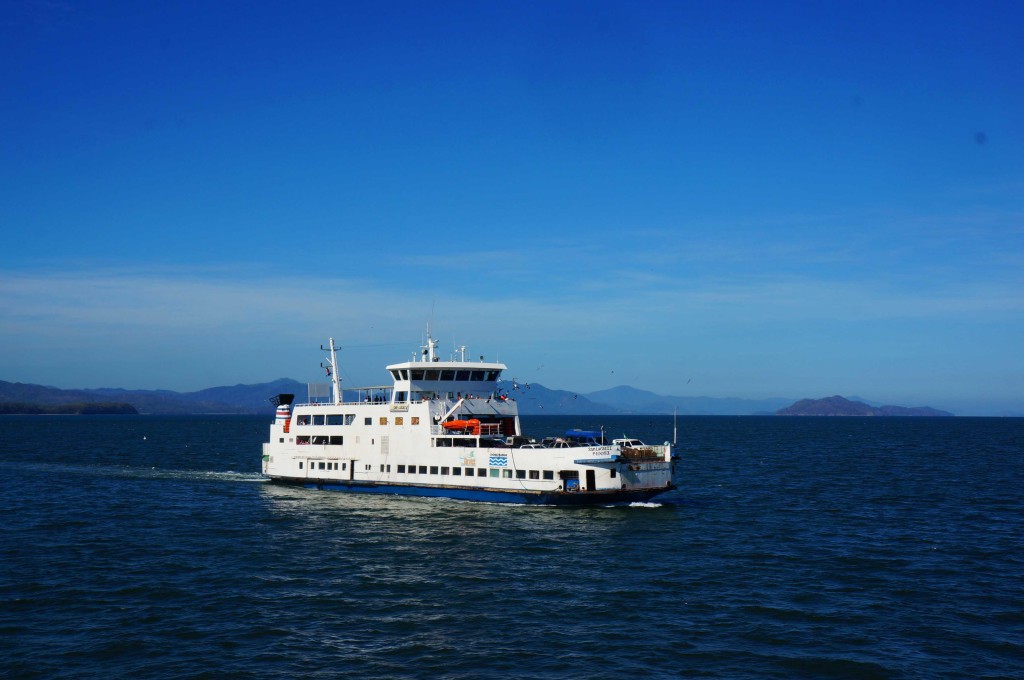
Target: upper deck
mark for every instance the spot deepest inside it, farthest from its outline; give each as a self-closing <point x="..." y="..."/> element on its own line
<point x="444" y="379"/>
<point x="447" y="388"/>
<point x="430" y="378"/>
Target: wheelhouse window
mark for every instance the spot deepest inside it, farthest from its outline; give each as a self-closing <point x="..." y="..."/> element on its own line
<point x="476" y="375"/>
<point x="462" y="376"/>
<point x="417" y="374"/>
<point x="447" y="375"/>
<point x="431" y="375"/>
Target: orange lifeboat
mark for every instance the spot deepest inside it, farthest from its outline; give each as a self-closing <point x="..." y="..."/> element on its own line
<point x="472" y="425"/>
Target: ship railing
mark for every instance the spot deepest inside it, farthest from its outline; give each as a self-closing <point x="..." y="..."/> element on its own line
<point x="646" y="453"/>
<point x="362" y="402"/>
<point x="486" y="430"/>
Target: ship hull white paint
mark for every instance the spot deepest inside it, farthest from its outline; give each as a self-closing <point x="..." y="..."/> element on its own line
<point x="481" y="495"/>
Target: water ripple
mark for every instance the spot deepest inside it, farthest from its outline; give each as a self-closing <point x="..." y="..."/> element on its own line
<point x="852" y="549"/>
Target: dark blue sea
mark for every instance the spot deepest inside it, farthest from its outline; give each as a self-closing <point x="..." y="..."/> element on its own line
<point x="149" y="547"/>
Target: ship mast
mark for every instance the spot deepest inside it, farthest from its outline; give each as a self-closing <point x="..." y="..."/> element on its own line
<point x="429" y="350"/>
<point x="332" y="362"/>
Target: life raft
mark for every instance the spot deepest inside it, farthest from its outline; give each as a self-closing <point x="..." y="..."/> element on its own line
<point x="472" y="425"/>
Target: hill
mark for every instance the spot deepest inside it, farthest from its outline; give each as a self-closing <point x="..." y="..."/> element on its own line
<point x="234" y="399"/>
<point x="625" y="399"/>
<point x="86" y="408"/>
<point x="537" y="400"/>
<point x="839" y="406"/>
<point x="534" y="399"/>
<point x="227" y="399"/>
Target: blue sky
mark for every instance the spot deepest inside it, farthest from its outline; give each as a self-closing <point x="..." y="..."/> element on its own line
<point x="785" y="199"/>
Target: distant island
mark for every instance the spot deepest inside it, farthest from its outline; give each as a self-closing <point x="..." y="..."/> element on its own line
<point x="105" y="408"/>
<point x="237" y="399"/>
<point x="840" y="406"/>
<point x="533" y="400"/>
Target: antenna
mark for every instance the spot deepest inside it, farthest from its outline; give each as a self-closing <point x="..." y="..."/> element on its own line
<point x="428" y="352"/>
<point x="675" y="429"/>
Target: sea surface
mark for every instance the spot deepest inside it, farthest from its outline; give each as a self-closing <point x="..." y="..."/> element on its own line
<point x="149" y="547"/>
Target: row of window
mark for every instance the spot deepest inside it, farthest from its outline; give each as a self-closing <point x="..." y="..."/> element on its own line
<point x="324" y="465"/>
<point x="347" y="419"/>
<point x="333" y="440"/>
<point x="446" y="375"/>
<point x="443" y="470"/>
<point x="469" y="472"/>
<point x="326" y="419"/>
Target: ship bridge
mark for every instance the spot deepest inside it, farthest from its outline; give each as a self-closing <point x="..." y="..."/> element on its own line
<point x="428" y="378"/>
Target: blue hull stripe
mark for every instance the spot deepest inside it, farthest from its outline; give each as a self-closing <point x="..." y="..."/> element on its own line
<point x="485" y="495"/>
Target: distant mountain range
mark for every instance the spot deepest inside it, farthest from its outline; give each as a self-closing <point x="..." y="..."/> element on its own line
<point x="235" y="399"/>
<point x="839" y="406"/>
<point x="534" y="399"/>
<point x="629" y="400"/>
<point x="70" y="409"/>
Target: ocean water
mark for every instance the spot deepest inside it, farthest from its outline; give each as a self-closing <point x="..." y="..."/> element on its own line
<point x="850" y="548"/>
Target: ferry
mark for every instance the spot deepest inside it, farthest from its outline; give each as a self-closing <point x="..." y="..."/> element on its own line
<point x="448" y="429"/>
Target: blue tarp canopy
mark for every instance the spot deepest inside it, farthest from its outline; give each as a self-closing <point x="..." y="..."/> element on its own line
<point x="583" y="434"/>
